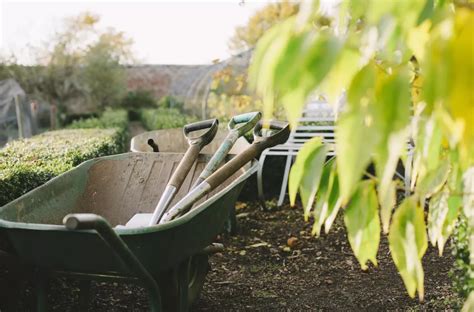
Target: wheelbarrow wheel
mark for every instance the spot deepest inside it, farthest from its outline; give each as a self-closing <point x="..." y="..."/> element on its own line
<point x="198" y="267"/>
<point x="193" y="272"/>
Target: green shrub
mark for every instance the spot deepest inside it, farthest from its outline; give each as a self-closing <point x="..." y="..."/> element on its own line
<point x="170" y="102"/>
<point x="138" y="99"/>
<point x="462" y="272"/>
<point x="154" y="119"/>
<point x="29" y="163"/>
<point x="109" y="119"/>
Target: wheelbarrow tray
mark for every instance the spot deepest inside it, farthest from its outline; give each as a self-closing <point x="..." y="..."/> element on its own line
<point x="115" y="187"/>
<point x="173" y="141"/>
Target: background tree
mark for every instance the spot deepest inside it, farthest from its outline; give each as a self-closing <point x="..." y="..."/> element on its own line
<point x="408" y="69"/>
<point x="246" y="37"/>
<point x="78" y="61"/>
<point x="229" y="93"/>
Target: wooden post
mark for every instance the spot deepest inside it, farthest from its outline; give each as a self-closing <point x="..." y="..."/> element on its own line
<point x="19" y="117"/>
<point x="52" y="115"/>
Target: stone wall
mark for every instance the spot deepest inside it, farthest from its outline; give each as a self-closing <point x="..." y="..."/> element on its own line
<point x="188" y="83"/>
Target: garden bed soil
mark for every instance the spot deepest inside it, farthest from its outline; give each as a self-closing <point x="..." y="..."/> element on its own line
<point x="258" y="271"/>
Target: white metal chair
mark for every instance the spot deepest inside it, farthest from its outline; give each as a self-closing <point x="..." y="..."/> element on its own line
<point x="317" y="121"/>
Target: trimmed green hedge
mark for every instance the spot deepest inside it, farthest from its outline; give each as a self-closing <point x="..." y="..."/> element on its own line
<point x="163" y="118"/>
<point x="27" y="164"/>
<point x="109" y="119"/>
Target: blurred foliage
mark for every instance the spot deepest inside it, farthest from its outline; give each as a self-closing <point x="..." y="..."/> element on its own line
<point x="138" y="99"/>
<point x="407" y="67"/>
<point x="246" y="37"/>
<point x="170" y="102"/>
<point x="79" y="61"/>
<point x="29" y="163"/>
<point x="229" y="95"/>
<point x="462" y="273"/>
<point x="164" y="118"/>
<point x="107" y="120"/>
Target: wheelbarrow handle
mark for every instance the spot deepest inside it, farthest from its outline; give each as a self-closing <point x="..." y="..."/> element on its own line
<point x="90" y="221"/>
<point x="249" y="120"/>
<point x="84" y="221"/>
<point x="205" y="138"/>
<point x="260" y="143"/>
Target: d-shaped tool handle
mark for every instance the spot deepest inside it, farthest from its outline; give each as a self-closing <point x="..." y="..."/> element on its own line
<point x="246" y="122"/>
<point x="206" y="137"/>
<point x="238" y="126"/>
<point x="217" y="178"/>
<point x="260" y="143"/>
<point x="279" y="137"/>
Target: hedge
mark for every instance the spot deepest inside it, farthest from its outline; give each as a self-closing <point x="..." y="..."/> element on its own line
<point x="27" y="164"/>
<point x="164" y="118"/>
<point x="109" y="119"/>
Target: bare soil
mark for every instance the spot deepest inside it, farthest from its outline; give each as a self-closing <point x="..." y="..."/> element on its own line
<point x="258" y="271"/>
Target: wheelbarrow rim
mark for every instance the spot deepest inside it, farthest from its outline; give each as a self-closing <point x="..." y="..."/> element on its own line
<point x="129" y="231"/>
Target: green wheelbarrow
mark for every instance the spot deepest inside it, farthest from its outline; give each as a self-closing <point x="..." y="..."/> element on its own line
<point x="69" y="226"/>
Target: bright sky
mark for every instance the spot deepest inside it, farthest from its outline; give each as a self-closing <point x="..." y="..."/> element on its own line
<point x="164" y="32"/>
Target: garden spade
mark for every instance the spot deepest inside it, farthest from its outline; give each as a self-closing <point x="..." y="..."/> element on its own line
<point x="177" y="179"/>
<point x="260" y="143"/>
<point x="238" y="126"/>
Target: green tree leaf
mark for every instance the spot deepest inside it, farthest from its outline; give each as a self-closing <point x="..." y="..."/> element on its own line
<point x="468" y="207"/>
<point x="454" y="205"/>
<point x="363" y="225"/>
<point x="327" y="204"/>
<point x="334" y="203"/>
<point x="356" y="134"/>
<point x="438" y="211"/>
<point x="433" y="181"/>
<point x="306" y="172"/>
<point x="392" y="116"/>
<point x="320" y="209"/>
<point x="408" y="243"/>
<point x="387" y="199"/>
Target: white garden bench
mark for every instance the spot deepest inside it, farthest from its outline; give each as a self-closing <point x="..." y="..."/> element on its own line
<point x="318" y="120"/>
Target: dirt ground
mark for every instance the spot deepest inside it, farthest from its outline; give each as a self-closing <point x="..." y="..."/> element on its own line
<point x="258" y="271"/>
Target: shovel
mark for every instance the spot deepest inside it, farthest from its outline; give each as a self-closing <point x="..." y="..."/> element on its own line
<point x="260" y="143"/>
<point x="238" y="126"/>
<point x="195" y="146"/>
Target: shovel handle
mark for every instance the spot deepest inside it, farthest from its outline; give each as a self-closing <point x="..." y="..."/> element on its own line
<point x="195" y="146"/>
<point x="249" y="120"/>
<point x="206" y="137"/>
<point x="260" y="143"/>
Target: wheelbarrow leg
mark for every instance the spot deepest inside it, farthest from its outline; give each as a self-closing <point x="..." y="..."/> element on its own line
<point x="84" y="294"/>
<point x="83" y="221"/>
<point x="183" y="285"/>
<point x="41" y="281"/>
